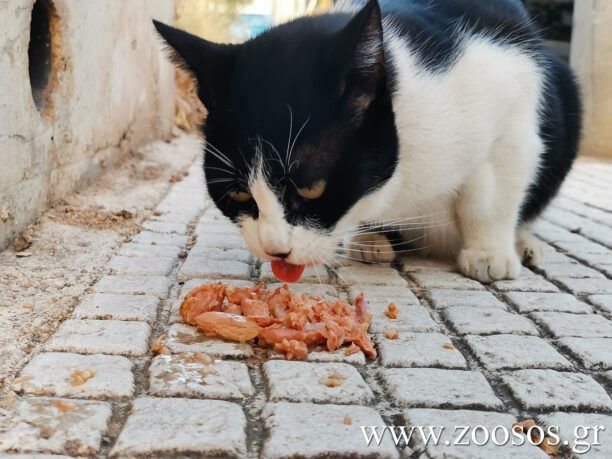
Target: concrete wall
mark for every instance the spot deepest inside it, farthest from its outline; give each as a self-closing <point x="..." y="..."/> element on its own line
<point x="110" y="88"/>
<point x="591" y="58"/>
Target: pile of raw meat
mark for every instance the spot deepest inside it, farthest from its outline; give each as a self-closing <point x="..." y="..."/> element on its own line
<point x="288" y="321"/>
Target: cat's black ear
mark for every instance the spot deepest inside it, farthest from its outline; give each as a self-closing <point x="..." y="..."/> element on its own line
<point x="365" y="35"/>
<point x="359" y="49"/>
<point x="210" y="63"/>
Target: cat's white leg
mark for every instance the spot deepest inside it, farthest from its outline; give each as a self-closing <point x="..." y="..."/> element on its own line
<point x="371" y="248"/>
<point x="529" y="248"/>
<point x="489" y="203"/>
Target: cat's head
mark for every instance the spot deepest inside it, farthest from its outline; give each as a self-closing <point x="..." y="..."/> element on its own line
<point x="300" y="131"/>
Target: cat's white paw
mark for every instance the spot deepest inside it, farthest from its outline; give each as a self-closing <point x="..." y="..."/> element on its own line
<point x="371" y="248"/>
<point x="529" y="248"/>
<point x="489" y="265"/>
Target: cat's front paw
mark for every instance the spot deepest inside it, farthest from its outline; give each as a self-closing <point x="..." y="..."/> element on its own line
<point x="489" y="265"/>
<point x="371" y="248"/>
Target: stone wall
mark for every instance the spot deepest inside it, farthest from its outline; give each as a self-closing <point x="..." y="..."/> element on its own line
<point x="82" y="83"/>
<point x="591" y="58"/>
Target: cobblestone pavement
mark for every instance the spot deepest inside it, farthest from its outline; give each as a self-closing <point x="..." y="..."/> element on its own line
<point x="468" y="354"/>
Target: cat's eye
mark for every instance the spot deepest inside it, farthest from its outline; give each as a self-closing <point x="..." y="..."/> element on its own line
<point x="240" y="196"/>
<point x="313" y="192"/>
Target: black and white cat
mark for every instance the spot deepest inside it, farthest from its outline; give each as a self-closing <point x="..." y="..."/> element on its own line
<point x="447" y="121"/>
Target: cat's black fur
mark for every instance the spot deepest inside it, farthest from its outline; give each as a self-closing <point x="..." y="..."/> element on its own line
<point x="302" y="77"/>
<point x="305" y="73"/>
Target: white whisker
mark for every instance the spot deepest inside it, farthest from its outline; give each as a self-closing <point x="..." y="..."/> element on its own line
<point x="290" y="133"/>
<point x="221" y="158"/>
<point x="295" y="140"/>
<point x="219" y="169"/>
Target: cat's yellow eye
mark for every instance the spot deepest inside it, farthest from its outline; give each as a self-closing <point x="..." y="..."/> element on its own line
<point x="313" y="192"/>
<point x="240" y="196"/>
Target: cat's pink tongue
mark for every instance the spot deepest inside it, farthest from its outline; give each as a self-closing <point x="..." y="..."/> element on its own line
<point x="286" y="271"/>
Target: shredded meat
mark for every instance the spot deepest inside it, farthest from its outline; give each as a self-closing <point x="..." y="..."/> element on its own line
<point x="204" y="298"/>
<point x="391" y="334"/>
<point x="392" y="312"/>
<point x="285" y="320"/>
<point x="80" y="377"/>
<point x="293" y="349"/>
<point x="229" y="326"/>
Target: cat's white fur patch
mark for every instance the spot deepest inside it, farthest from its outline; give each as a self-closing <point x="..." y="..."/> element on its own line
<point x="270" y="233"/>
<point x="469" y="149"/>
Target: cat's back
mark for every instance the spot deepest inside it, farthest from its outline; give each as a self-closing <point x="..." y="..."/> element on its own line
<point x="437" y="29"/>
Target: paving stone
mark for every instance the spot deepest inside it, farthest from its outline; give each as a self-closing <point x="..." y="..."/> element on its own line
<point x="551" y="256"/>
<point x="562" y="324"/>
<point x="171" y="217"/>
<point x="309" y="430"/>
<point x="213" y="253"/>
<point x="194" y="283"/>
<point x="571" y="428"/>
<point x="193" y="376"/>
<point x="553" y="233"/>
<point x="448" y="445"/>
<point x="196" y="267"/>
<point x="445" y="298"/>
<point x="415" y="263"/>
<point x="419" y="350"/>
<point x="187" y="206"/>
<point x="553" y="390"/>
<point x="583" y="246"/>
<point x="435" y="388"/>
<point x="508" y="352"/>
<point x="594" y="259"/>
<point x="602" y="302"/>
<point x="139" y="250"/>
<point x="573" y="270"/>
<point x="184" y="338"/>
<point x="114" y="337"/>
<point x="543" y="301"/>
<point x="382" y="294"/>
<point x="604" y="268"/>
<point x="474" y="321"/>
<point x="160" y="427"/>
<point x="323" y="355"/>
<point x="593" y="353"/>
<point x="587" y="286"/>
<point x="525" y="284"/>
<point x="206" y="227"/>
<point x="313" y="274"/>
<point x="445" y="280"/>
<point x="325" y="291"/>
<point x="410" y="318"/>
<point x="38" y="424"/>
<point x="305" y="382"/>
<point x="134" y="285"/>
<point x="165" y="227"/>
<point x="370" y="274"/>
<point x="175" y="315"/>
<point x="152" y="238"/>
<point x="223" y="241"/>
<point x="141" y="266"/>
<point x="49" y="374"/>
<point x="118" y="307"/>
<point x="563" y="218"/>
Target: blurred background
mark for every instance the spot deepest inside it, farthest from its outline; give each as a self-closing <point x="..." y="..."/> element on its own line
<point x="85" y="83"/>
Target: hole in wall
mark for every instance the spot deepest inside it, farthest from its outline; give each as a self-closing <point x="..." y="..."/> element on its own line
<point x="43" y="53"/>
